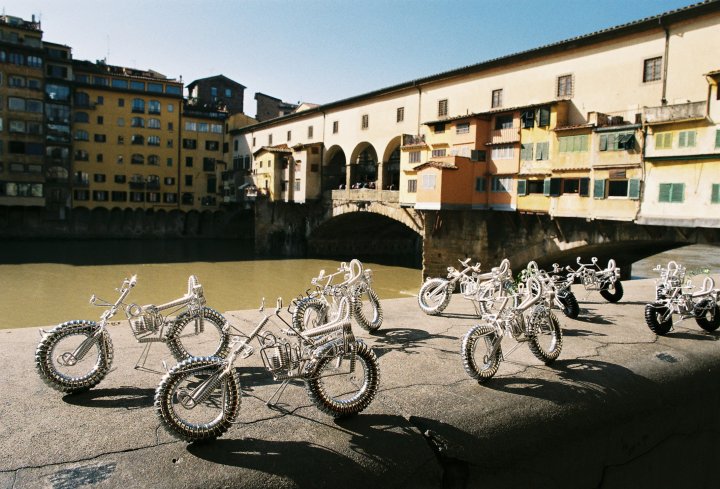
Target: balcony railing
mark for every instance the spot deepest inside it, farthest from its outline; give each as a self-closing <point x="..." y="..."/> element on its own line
<point x="676" y="112"/>
<point x="506" y="135"/>
<point x="366" y="195"/>
<point x="413" y="139"/>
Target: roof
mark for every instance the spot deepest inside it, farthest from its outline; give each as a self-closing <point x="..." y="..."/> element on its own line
<point x="441" y="165"/>
<point x="499" y="110"/>
<point x="215" y="77"/>
<point x="655" y="22"/>
<point x="280" y="148"/>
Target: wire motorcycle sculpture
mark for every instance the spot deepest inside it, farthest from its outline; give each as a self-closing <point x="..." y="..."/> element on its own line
<point x="326" y="303"/>
<point x="199" y="398"/>
<point x="76" y="355"/>
<point x="560" y="283"/>
<point x="435" y="294"/>
<point x="592" y="277"/>
<point x="676" y="295"/>
<point x="525" y="315"/>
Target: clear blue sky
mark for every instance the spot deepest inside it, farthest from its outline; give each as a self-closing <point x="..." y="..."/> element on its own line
<point x="317" y="50"/>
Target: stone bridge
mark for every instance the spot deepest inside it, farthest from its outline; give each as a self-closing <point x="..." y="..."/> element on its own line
<point x="372" y="225"/>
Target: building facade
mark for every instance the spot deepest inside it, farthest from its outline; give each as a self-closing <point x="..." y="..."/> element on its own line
<point x="567" y="129"/>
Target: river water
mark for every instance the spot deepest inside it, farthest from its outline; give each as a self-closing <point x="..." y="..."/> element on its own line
<point x="44" y="283"/>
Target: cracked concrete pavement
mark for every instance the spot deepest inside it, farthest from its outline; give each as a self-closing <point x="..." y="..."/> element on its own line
<point x="619" y="407"/>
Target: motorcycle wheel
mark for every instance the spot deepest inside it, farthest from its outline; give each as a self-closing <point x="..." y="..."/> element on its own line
<point x="707" y="315"/>
<point x="207" y="419"/>
<point x="612" y="292"/>
<point x="653" y="318"/>
<point x="547" y="343"/>
<point x="434" y="296"/>
<point x="340" y="385"/>
<point x="309" y="313"/>
<point x="475" y="348"/>
<point x="363" y="310"/>
<point x="571" y="308"/>
<point x="57" y="367"/>
<point x="213" y="341"/>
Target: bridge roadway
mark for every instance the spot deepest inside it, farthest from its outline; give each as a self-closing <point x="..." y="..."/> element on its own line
<point x="619" y="408"/>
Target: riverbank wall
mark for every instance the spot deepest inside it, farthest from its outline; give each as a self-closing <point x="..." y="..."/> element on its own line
<point x="32" y="222"/>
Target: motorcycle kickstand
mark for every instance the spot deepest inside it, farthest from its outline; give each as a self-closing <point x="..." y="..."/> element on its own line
<point x="142" y="360"/>
<point x="273" y="402"/>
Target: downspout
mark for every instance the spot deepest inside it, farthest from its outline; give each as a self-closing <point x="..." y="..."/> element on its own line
<point x="665" y="61"/>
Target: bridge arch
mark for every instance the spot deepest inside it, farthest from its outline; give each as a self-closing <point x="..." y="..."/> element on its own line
<point x="335" y="170"/>
<point x="363" y="164"/>
<point x="390" y="165"/>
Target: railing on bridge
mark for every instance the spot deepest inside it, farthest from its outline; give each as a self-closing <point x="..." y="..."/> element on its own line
<point x="366" y="195"/>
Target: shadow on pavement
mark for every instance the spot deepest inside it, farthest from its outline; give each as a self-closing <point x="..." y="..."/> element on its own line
<point x="119" y="397"/>
<point x="380" y="445"/>
<point x="404" y="340"/>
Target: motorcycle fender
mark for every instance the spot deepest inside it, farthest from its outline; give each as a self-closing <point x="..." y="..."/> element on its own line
<point x="329" y="349"/>
<point x="216" y="362"/>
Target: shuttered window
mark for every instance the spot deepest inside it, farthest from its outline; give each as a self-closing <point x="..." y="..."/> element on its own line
<point x="480" y="184"/>
<point x="671" y="192"/>
<point x="634" y="189"/>
<point x="544" y="117"/>
<point x="542" y="151"/>
<point x="715" y="197"/>
<point x="526" y="152"/>
<point x="599" y="189"/>
<point x="584" y="187"/>
<point x="522" y="187"/>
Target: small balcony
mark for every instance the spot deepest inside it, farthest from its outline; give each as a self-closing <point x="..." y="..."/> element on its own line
<point x="505" y="135"/>
<point x="413" y="139"/>
<point x="675" y="113"/>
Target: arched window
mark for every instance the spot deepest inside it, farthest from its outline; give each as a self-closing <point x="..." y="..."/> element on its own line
<point x="137" y="139"/>
<point x="137" y="122"/>
<point x="82" y="99"/>
<point x="153" y="160"/>
<point x="154" y="107"/>
<point x="154" y="123"/>
<point x="137" y="159"/>
<point x="153" y="140"/>
<point x="81" y="135"/>
<point x="138" y="105"/>
<point x="81" y="117"/>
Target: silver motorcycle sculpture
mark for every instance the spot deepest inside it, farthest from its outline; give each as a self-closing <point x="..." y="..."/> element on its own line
<point x="199" y="398"/>
<point x="435" y="294"/>
<point x="674" y="294"/>
<point x="525" y="315"/>
<point x="76" y="355"/>
<point x="594" y="278"/>
<point x="325" y="302"/>
<point x="560" y="283"/>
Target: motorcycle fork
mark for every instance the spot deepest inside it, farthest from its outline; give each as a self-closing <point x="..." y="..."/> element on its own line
<point x="202" y="391"/>
<point x="69" y="359"/>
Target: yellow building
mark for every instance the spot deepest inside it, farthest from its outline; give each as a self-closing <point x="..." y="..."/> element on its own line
<point x="22" y="145"/>
<point x="272" y="172"/>
<point x="126" y="137"/>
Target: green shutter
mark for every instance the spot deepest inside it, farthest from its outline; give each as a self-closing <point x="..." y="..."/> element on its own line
<point x="584" y="187"/>
<point x="544" y="119"/>
<point x="691" y="138"/>
<point x="546" y="187"/>
<point x="717" y="138"/>
<point x="634" y="189"/>
<point x="677" y="192"/>
<point x="599" y="189"/>
<point x="522" y="187"/>
<point x="583" y="142"/>
<point x="715" y="197"/>
<point x="664" y="195"/>
<point x="603" y="142"/>
<point x="682" y="139"/>
<point x="563" y="144"/>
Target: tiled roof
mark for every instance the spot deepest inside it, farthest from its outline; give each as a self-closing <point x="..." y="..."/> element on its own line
<point x="442" y="165"/>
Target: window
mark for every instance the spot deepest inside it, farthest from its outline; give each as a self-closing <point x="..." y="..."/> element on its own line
<point x="170" y="198"/>
<point x="671" y="192"/>
<point x="100" y="120"/>
<point x="428" y="181"/>
<point x="503" y="152"/>
<point x="212" y="145"/>
<point x="565" y="86"/>
<point x="137" y="159"/>
<point x="16" y="103"/>
<point x="478" y="155"/>
<point x="99" y="178"/>
<point x="437" y="153"/>
<point x="116" y="83"/>
<point x="121" y="140"/>
<point x="119" y="178"/>
<point x="310" y="132"/>
<point x="527" y="119"/>
<point x="189" y="161"/>
<point x="503" y="122"/>
<point x="687" y="139"/>
<point x="99" y="138"/>
<point x="118" y="196"/>
<point x="542" y="150"/>
<point x="496" y="98"/>
<point x="153" y="160"/>
<point x="137" y="196"/>
<point x="480" y="184"/>
<point x="652" y="69"/>
<point x="336" y="127"/>
<point x="462" y="128"/>
<point x="544" y="116"/>
<point x="190" y="126"/>
<point x="100" y="100"/>
<point x="120" y="160"/>
<point x="717" y="136"/>
<point x="501" y="184"/>
<point x="439" y="128"/>
<point x="442" y="108"/>
<point x="81" y="117"/>
<point x="121" y="102"/>
<point x="81" y="195"/>
<point x="269" y="139"/>
<point x="155" y="87"/>
<point x="526" y="152"/>
<point x="81" y="155"/>
<point x="715" y="194"/>
<point x="137" y="122"/>
<point x="138" y="106"/>
<point x="617" y="142"/>
<point x="188" y="180"/>
<point x="120" y="122"/>
<point x="573" y="144"/>
<point x="153" y="107"/>
<point x="414" y="157"/>
<point x="571" y="186"/>
<point x="365" y="121"/>
<point x="137" y="139"/>
<point x="663" y="140"/>
<point x="154" y="123"/>
<point x="203" y="127"/>
<point x="412" y="186"/>
<point x="289" y="135"/>
<point x="81" y="135"/>
<point x="400" y="114"/>
<point x="190" y="143"/>
<point x="209" y="164"/>
<point x="153" y="140"/>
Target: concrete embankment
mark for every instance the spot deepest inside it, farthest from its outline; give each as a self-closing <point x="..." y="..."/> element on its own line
<point x="619" y="408"/>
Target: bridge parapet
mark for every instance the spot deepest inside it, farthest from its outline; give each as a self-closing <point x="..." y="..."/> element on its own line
<point x="366" y="195"/>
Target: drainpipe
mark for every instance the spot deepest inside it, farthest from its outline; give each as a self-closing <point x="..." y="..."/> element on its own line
<point x="665" y="61"/>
